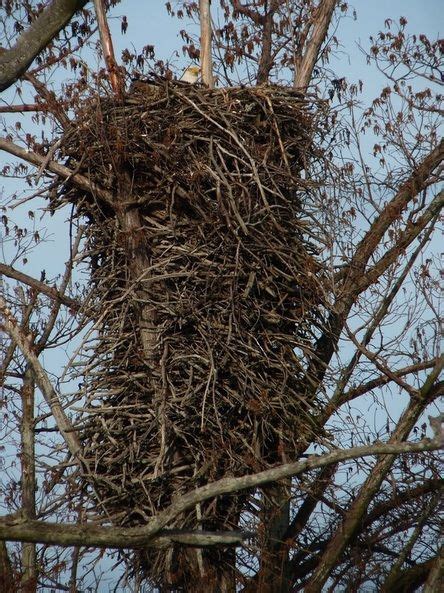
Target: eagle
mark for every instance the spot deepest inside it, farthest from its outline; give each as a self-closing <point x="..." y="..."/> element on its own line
<point x="191" y="74"/>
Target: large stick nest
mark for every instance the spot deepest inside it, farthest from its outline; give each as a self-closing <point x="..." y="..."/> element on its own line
<point x="209" y="294"/>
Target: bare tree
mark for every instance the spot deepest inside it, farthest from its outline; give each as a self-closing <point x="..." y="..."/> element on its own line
<point x="347" y="497"/>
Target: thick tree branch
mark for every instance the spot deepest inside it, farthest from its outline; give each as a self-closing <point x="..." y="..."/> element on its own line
<point x="39" y="286"/>
<point x="322" y="19"/>
<point x="22" y="108"/>
<point x="7" y="581"/>
<point x="108" y="49"/>
<point x="206" y="60"/>
<point x="80" y="180"/>
<point x="435" y="576"/>
<point x="28" y="476"/>
<point x="11" y="326"/>
<point x="266" y="60"/>
<point x="15" y="61"/>
<point x="14" y="528"/>
<point x="229" y="485"/>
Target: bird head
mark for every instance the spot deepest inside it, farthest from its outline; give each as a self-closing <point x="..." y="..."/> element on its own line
<point x="191" y="74"/>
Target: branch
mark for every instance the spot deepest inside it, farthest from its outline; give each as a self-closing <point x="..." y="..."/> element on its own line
<point x="393" y="211"/>
<point x="35" y="159"/>
<point x="355" y="514"/>
<point x="38" y="286"/>
<point x="266" y="60"/>
<point x="108" y="50"/>
<point x="6" y="572"/>
<point x="401" y="497"/>
<point x="348" y="396"/>
<point x="22" y="108"/>
<point x="52" y="104"/>
<point x="435" y="574"/>
<point x="322" y="20"/>
<point x="408" y="236"/>
<point x="15" y="61"/>
<point x="13" y="528"/>
<point x="11" y="326"/>
<point x="205" y="43"/>
<point x="230" y="485"/>
<point x="412" y="578"/>
<point x="316" y="490"/>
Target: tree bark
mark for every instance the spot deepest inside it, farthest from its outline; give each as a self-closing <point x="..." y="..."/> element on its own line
<point x="206" y="61"/>
<point x="322" y="19"/>
<point x="108" y="49"/>
<point x="15" y="61"/>
<point x="265" y="60"/>
<point x="29" y="568"/>
<point x="7" y="580"/>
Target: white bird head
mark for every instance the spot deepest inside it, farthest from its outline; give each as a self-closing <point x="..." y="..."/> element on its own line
<point x="191" y="74"/>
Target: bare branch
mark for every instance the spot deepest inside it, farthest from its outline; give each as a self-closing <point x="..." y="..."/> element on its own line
<point x="108" y="50"/>
<point x="15" y="61"/>
<point x="384" y="379"/>
<point x="322" y="19"/>
<point x="12" y="327"/>
<point x="76" y="178"/>
<point x="16" y="529"/>
<point x="39" y="286"/>
<point x="22" y="108"/>
<point x="205" y="43"/>
<point x="406" y="238"/>
<point x="13" y="528"/>
<point x="52" y="103"/>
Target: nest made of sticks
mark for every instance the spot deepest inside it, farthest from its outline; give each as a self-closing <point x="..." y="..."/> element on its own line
<point x="208" y="293"/>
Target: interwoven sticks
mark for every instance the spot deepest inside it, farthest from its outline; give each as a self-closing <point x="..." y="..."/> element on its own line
<point x="209" y="294"/>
